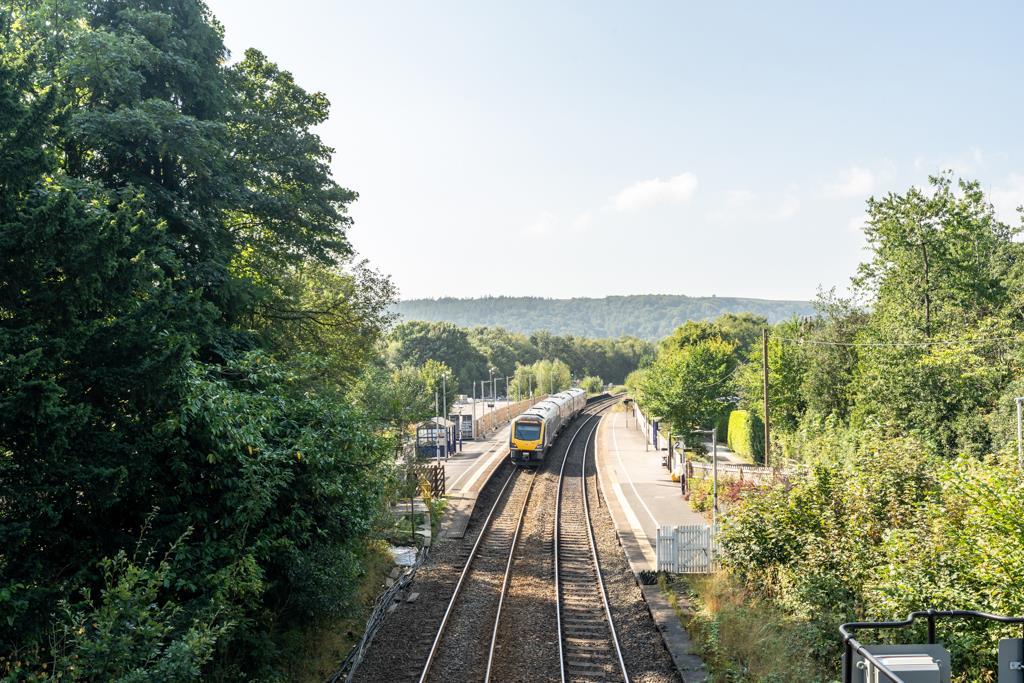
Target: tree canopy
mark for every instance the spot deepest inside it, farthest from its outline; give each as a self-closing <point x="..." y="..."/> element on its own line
<point x="181" y="327"/>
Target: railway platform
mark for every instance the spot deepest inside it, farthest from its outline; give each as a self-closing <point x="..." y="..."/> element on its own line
<point x="641" y="496"/>
<point x="466" y="474"/>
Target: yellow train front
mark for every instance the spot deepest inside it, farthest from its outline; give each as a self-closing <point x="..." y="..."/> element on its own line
<point x="534" y="431"/>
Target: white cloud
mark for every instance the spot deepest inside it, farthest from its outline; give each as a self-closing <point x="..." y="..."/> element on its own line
<point x="1006" y="197"/>
<point x="744" y="206"/>
<point x="543" y="225"/>
<point x="857" y="223"/>
<point x="853" y="182"/>
<point x="789" y="207"/>
<point x="582" y="222"/>
<point x="647" y="193"/>
<point x="739" y="197"/>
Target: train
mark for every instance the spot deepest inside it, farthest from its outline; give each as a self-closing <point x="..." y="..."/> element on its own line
<point x="534" y="431"/>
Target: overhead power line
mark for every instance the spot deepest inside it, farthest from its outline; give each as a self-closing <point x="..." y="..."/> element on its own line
<point x="933" y="342"/>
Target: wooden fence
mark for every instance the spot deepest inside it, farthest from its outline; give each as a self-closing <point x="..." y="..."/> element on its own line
<point x="433" y="473"/>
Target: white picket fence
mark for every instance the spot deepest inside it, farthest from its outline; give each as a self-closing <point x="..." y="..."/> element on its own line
<point x="686" y="549"/>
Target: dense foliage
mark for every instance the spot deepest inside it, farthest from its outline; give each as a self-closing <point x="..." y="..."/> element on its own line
<point x="898" y="407"/>
<point x="542" y="377"/>
<point x="647" y="316"/>
<point x="745" y="434"/>
<point x="476" y="354"/>
<point x="691" y="382"/>
<point x="186" y="474"/>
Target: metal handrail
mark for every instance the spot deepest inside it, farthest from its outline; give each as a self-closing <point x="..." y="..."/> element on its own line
<point x="852" y="646"/>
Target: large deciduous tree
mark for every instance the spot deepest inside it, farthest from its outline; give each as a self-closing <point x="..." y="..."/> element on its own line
<point x="178" y="326"/>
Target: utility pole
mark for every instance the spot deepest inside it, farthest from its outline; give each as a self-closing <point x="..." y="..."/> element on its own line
<point x="714" y="483"/>
<point x="1020" y="433"/>
<point x="437" y="444"/>
<point x="473" y="423"/>
<point x="444" y="414"/>
<point x="767" y="419"/>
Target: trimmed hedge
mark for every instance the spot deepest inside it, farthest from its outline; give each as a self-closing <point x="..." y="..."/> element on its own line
<point x="746" y="434"/>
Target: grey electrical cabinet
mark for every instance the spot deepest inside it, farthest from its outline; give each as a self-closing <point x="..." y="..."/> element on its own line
<point x="913" y="663"/>
<point x="1011" y="660"/>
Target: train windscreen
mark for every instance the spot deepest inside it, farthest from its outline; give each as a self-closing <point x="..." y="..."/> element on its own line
<point x="528" y="431"/>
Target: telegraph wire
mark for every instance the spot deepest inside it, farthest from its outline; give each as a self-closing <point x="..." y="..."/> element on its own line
<point x="935" y="342"/>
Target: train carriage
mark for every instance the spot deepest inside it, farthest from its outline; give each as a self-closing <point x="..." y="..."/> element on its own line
<point x="534" y="431"/>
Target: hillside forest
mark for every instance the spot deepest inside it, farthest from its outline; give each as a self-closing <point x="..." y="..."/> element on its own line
<point x="894" y="434"/>
<point x="647" y="316"/>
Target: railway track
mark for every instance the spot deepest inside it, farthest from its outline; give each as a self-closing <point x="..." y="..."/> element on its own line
<point x="474" y="590"/>
<point x="492" y="556"/>
<point x="589" y="648"/>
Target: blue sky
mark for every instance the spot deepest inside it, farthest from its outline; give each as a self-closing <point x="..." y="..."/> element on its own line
<point x="589" y="148"/>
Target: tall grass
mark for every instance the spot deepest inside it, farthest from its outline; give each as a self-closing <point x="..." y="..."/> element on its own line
<point x="743" y="639"/>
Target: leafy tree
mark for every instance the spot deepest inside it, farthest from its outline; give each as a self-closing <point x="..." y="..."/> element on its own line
<point x="939" y="270"/>
<point x="416" y="342"/>
<point x="440" y="382"/>
<point x="524" y="381"/>
<point x="592" y="384"/>
<point x="831" y="355"/>
<point x="503" y="349"/>
<point x="686" y="386"/>
<point x="543" y="377"/>
<point x="787" y="368"/>
<point x="939" y="260"/>
<point x="170" y="235"/>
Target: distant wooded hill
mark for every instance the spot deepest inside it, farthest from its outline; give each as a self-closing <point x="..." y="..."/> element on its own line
<point x="648" y="316"/>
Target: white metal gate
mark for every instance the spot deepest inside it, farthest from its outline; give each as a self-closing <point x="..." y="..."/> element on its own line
<point x="686" y="549"/>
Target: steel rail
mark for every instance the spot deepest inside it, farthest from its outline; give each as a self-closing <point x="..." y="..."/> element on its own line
<point x="472" y="556"/>
<point x="590" y="529"/>
<point x="462" y="577"/>
<point x="597" y="562"/>
<point x="508" y="566"/>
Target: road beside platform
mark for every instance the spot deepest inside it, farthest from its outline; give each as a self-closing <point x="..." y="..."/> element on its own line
<point x="640" y="496"/>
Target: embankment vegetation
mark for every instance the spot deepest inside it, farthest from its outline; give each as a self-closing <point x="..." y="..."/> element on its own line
<point x="196" y="434"/>
<point x="898" y="404"/>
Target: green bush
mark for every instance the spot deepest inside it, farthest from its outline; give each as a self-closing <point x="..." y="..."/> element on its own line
<point x="746" y="434"/>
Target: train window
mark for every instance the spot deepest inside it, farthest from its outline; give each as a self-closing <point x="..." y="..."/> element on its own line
<point x="528" y="431"/>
